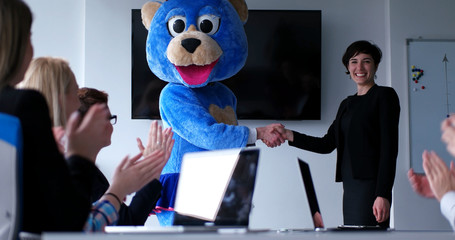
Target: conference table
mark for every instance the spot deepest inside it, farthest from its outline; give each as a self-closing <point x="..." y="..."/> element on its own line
<point x="260" y="235"/>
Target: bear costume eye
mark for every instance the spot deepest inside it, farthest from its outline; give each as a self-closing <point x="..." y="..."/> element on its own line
<point x="208" y="24"/>
<point x="176" y="25"/>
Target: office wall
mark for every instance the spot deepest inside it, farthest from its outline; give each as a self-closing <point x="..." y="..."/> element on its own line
<point x="95" y="36"/>
<point x="59" y="30"/>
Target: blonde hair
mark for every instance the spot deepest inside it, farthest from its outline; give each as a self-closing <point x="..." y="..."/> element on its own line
<point x="15" y="25"/>
<point x="52" y="77"/>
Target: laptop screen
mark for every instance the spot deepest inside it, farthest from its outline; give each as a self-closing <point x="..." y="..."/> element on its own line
<point x="236" y="203"/>
<point x="310" y="192"/>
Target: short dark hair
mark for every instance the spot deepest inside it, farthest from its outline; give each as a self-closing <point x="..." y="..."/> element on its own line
<point x="362" y="46"/>
<point x="89" y="97"/>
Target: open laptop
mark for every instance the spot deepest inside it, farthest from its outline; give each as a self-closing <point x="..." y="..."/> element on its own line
<point x="222" y="199"/>
<point x="314" y="205"/>
<point x="235" y="202"/>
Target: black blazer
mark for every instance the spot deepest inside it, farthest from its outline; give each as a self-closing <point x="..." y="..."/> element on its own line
<point x="56" y="193"/>
<point x="372" y="138"/>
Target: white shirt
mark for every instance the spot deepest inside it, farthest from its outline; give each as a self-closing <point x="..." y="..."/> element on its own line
<point x="448" y="207"/>
<point x="253" y="135"/>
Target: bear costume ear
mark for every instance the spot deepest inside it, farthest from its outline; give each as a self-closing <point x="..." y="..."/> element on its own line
<point x="241" y="8"/>
<point x="148" y="11"/>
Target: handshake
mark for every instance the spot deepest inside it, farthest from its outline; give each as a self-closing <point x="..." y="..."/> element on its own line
<point x="274" y="135"/>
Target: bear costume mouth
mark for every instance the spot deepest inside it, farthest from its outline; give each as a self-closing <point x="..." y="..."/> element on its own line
<point x="195" y="75"/>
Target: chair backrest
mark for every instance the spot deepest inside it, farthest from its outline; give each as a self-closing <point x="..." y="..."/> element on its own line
<point x="10" y="176"/>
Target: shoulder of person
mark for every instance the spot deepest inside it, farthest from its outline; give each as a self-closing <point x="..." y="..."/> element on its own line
<point x="24" y="99"/>
<point x="386" y="89"/>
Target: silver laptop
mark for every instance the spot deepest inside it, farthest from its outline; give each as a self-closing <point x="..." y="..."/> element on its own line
<point x="233" y="205"/>
<point x="198" y="208"/>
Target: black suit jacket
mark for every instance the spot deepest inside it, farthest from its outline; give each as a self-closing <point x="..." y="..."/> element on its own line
<point x="372" y="138"/>
<point x="56" y="193"/>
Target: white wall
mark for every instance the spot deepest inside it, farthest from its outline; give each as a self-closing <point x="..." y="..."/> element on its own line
<point x="59" y="30"/>
<point x="103" y="61"/>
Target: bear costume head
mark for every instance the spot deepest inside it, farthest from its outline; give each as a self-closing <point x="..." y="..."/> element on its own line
<point x="194" y="42"/>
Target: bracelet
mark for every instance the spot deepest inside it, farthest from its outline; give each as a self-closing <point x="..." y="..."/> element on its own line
<point x="115" y="196"/>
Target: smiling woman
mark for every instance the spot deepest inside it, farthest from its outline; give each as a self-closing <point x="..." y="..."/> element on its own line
<point x="365" y="134"/>
<point x="362" y="60"/>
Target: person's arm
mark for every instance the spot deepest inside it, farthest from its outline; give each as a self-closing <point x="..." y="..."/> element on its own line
<point x="103" y="214"/>
<point x="141" y="205"/>
<point x="448" y="207"/>
<point x="389" y="114"/>
<point x="442" y="183"/>
<point x="325" y="144"/>
<point x="145" y="199"/>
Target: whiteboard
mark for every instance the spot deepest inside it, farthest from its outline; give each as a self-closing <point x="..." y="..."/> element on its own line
<point x="431" y="85"/>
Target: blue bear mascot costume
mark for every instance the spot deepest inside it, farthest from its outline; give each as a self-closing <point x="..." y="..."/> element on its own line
<point x="192" y="45"/>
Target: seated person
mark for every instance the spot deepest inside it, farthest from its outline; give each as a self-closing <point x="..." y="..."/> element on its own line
<point x="55" y="189"/>
<point x="54" y="78"/>
<point x="144" y="200"/>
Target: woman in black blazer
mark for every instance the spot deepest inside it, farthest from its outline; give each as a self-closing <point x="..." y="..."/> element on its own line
<point x="365" y="134"/>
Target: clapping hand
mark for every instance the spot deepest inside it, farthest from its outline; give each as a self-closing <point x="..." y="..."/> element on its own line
<point x="440" y="178"/>
<point x="158" y="140"/>
<point x="420" y="184"/>
<point x="448" y="133"/>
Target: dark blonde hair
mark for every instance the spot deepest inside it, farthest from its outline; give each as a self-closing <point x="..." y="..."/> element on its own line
<point x="15" y="26"/>
<point x="52" y="77"/>
<point x="89" y="97"/>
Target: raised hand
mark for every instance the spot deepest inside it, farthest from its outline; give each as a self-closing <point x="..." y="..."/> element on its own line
<point x="448" y="133"/>
<point x="134" y="173"/>
<point x="60" y="138"/>
<point x="86" y="136"/>
<point x="439" y="176"/>
<point x="157" y="139"/>
<point x="420" y="184"/>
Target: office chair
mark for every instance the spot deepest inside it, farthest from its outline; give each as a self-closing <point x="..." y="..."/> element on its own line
<point x="11" y="176"/>
<point x="11" y="180"/>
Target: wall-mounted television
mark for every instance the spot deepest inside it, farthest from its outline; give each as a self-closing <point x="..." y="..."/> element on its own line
<point x="281" y="79"/>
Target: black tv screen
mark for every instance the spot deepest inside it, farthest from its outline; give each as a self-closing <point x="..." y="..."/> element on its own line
<point x="281" y="79"/>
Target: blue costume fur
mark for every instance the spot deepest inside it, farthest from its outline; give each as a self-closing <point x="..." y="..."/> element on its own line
<point x="194" y="44"/>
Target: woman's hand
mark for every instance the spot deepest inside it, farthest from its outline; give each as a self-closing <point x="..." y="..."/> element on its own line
<point x="134" y="173"/>
<point x="158" y="140"/>
<point x="86" y="137"/>
<point x="381" y="209"/>
<point x="440" y="178"/>
<point x="60" y="139"/>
